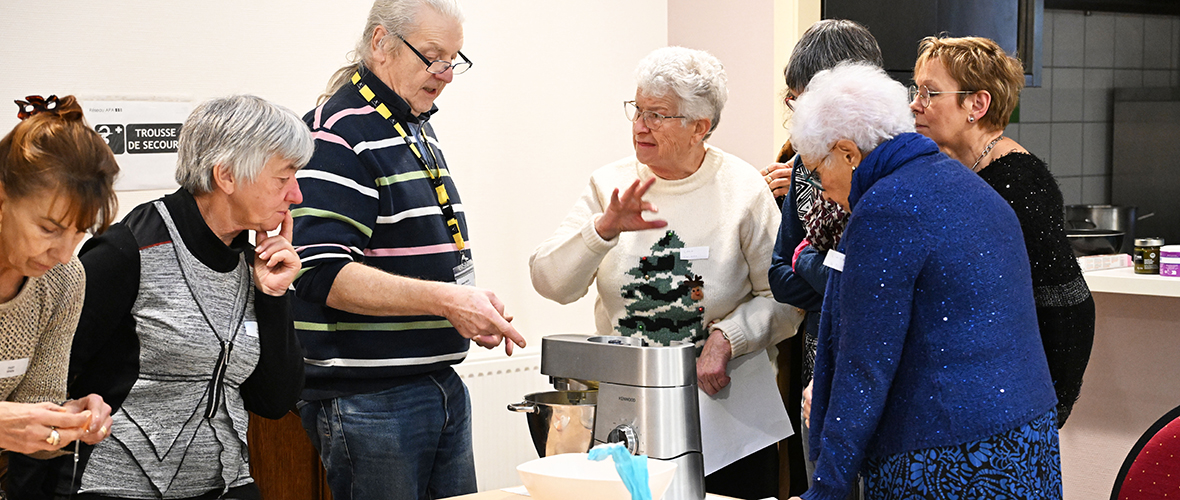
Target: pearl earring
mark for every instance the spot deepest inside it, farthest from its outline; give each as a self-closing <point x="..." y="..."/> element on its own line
<point x="970" y="119"/>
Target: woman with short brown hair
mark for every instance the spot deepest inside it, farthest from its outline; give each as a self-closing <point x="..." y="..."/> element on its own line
<point x="969" y="126"/>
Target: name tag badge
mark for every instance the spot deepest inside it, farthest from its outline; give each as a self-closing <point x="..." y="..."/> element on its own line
<point x="834" y="260"/>
<point x="694" y="253"/>
<point x="251" y="328"/>
<point x="13" y="367"/>
<point x="465" y="273"/>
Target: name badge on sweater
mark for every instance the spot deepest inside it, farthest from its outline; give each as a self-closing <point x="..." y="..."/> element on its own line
<point x="465" y="273"/>
<point x="694" y="253"/>
<point x="834" y="260"/>
<point x="13" y="367"/>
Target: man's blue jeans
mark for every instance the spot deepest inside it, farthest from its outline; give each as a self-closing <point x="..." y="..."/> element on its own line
<point x="409" y="442"/>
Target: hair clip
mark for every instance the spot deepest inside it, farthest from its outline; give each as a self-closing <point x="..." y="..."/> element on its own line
<point x="35" y="104"/>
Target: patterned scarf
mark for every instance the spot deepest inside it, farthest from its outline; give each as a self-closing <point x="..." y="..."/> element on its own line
<point x="823" y="220"/>
<point x="824" y="224"/>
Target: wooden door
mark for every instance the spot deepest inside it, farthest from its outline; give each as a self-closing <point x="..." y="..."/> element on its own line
<point x="283" y="461"/>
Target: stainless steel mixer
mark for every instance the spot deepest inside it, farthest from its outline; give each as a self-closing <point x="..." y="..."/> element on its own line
<point x="647" y="399"/>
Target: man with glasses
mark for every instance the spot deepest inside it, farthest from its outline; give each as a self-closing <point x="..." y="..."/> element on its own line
<point x="386" y="302"/>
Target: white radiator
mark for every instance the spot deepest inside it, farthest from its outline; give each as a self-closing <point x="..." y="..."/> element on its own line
<point x="500" y="437"/>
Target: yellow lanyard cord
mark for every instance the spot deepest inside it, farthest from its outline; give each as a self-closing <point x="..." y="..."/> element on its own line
<point x="440" y="189"/>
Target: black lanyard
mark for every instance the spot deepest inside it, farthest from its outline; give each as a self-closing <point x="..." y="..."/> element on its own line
<point x="436" y="180"/>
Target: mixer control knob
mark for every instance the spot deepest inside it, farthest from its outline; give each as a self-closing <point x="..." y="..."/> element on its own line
<point x="624" y="434"/>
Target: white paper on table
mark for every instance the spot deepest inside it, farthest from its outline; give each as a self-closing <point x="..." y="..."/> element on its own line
<point x="518" y="490"/>
<point x="745" y="416"/>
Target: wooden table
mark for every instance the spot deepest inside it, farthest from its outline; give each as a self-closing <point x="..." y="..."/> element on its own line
<point x="490" y="495"/>
<point x="504" y="495"/>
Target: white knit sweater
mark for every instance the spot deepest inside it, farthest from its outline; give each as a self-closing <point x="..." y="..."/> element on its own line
<point x="723" y="206"/>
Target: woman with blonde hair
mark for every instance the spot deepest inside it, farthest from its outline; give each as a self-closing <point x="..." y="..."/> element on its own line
<point x="968" y="125"/>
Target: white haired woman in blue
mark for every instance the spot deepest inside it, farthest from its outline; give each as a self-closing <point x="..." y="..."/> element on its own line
<point x="930" y="380"/>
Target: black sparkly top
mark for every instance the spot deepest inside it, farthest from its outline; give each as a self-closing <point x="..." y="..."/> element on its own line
<point x="1065" y="309"/>
<point x="1024" y="180"/>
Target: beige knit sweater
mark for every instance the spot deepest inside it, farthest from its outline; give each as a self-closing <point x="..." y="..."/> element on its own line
<point x="38" y="325"/>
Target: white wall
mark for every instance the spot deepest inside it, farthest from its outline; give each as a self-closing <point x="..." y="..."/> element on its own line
<point x="791" y="19"/>
<point x="281" y="50"/>
<point x="523" y="129"/>
<point x="754" y="42"/>
<point x="743" y="39"/>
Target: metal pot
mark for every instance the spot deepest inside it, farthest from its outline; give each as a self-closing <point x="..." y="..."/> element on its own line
<point x="1094" y="241"/>
<point x="1119" y="218"/>
<point x="560" y="421"/>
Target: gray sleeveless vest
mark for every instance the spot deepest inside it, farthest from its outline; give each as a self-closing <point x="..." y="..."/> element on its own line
<point x="182" y="429"/>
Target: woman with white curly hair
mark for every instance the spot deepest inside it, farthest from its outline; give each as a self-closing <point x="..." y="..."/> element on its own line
<point x="698" y="274"/>
<point x="930" y="380"/>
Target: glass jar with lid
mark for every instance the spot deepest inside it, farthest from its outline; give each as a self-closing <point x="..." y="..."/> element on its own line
<point x="1147" y="255"/>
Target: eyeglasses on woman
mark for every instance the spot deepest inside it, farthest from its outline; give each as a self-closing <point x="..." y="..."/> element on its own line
<point x="651" y="119"/>
<point x="923" y="94"/>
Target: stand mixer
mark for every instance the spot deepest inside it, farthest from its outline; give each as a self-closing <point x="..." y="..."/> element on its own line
<point x="647" y="399"/>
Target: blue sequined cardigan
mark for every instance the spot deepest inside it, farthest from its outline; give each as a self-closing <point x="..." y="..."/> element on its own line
<point x="928" y="337"/>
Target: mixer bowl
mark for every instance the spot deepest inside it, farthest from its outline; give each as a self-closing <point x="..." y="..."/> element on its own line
<point x="573" y="476"/>
<point x="559" y="421"/>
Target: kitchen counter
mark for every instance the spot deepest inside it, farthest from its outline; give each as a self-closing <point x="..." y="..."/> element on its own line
<point x="1124" y="281"/>
<point x="1130" y="381"/>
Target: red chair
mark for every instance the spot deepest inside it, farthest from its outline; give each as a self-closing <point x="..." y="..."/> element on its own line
<point x="1152" y="468"/>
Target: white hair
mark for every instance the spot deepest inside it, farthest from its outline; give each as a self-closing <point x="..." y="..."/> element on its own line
<point x="240" y="133"/>
<point x="695" y="77"/>
<point x="854" y="101"/>
<point x="399" y="18"/>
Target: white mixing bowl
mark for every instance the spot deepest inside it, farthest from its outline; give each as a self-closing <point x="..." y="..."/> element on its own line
<point x="573" y="476"/>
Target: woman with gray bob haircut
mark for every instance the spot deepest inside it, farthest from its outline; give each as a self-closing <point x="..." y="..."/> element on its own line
<point x="826" y="44"/>
<point x="240" y="133"/>
<point x="192" y="331"/>
<point x="930" y="380"/>
<point x="694" y="77"/>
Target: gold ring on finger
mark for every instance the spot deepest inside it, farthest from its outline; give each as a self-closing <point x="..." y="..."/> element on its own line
<point x="54" y="437"/>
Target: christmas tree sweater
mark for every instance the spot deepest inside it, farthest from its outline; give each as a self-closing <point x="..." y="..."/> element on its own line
<point x="709" y="265"/>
